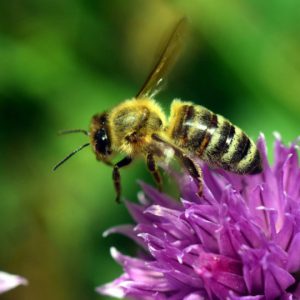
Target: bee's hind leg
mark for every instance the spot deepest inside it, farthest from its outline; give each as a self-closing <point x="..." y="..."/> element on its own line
<point x="194" y="171"/>
<point x="152" y="167"/>
<point x="117" y="177"/>
<point x="187" y="162"/>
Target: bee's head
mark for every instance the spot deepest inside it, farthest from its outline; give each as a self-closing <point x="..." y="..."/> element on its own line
<point x="100" y="137"/>
<point x="100" y="140"/>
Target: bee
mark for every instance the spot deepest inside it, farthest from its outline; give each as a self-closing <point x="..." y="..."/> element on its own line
<point x="139" y="127"/>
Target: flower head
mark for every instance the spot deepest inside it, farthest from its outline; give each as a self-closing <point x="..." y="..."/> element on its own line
<point x="240" y="240"/>
<point x="9" y="281"/>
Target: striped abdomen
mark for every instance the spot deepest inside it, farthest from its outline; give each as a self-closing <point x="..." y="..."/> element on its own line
<point x="212" y="138"/>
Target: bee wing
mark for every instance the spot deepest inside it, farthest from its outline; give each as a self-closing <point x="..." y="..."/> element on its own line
<point x="155" y="80"/>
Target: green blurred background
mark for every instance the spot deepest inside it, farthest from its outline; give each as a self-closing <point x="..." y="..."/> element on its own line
<point x="61" y="61"/>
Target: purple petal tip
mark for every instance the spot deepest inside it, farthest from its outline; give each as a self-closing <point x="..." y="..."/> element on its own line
<point x="10" y="281"/>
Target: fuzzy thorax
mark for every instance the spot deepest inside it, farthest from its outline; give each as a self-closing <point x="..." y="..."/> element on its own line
<point x="132" y="124"/>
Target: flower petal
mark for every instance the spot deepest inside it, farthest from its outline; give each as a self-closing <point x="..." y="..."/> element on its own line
<point x="9" y="281"/>
<point x="293" y="264"/>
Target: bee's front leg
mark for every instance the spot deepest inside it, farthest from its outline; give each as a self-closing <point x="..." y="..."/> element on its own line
<point x="117" y="177"/>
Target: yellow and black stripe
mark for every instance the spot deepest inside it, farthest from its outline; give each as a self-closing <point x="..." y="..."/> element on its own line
<point x="212" y="138"/>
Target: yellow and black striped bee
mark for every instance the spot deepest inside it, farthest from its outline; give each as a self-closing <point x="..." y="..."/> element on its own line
<point x="139" y="127"/>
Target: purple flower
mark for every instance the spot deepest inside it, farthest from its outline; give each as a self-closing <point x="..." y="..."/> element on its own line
<point x="240" y="240"/>
<point x="9" y="281"/>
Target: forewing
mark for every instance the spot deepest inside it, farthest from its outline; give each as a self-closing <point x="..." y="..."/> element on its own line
<point x="167" y="59"/>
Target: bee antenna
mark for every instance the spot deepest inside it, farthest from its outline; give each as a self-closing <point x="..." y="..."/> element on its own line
<point x="69" y="156"/>
<point x="61" y="132"/>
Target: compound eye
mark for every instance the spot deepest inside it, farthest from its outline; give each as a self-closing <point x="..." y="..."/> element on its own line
<point x="102" y="142"/>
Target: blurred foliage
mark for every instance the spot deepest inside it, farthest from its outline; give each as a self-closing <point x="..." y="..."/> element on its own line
<point x="63" y="61"/>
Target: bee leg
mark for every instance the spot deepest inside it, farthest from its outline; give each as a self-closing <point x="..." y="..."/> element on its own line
<point x="194" y="171"/>
<point x="117" y="177"/>
<point x="187" y="162"/>
<point x="151" y="164"/>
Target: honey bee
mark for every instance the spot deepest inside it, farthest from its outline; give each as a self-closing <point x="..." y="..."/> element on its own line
<point x="139" y="127"/>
